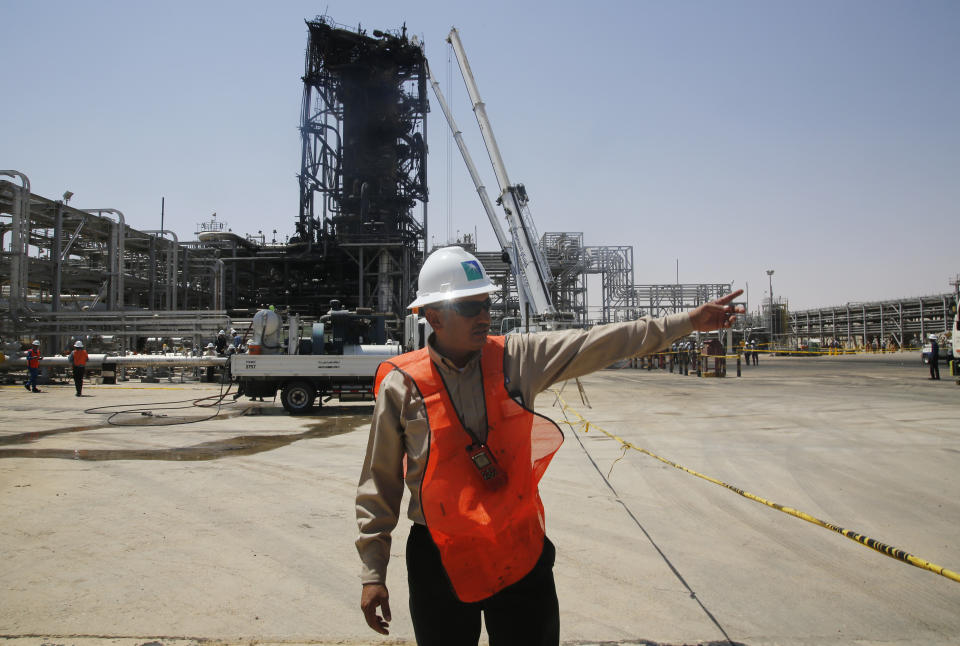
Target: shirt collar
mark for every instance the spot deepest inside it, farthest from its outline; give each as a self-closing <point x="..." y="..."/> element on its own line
<point x="444" y="362"/>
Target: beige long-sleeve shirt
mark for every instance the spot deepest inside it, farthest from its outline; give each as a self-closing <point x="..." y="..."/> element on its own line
<point x="532" y="363"/>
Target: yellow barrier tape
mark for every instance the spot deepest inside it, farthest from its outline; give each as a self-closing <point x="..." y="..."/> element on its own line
<point x="785" y="351"/>
<point x="883" y="548"/>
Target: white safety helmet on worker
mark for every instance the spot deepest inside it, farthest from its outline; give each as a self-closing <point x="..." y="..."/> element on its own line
<point x="449" y="274"/>
<point x="36" y="342"/>
<point x="78" y="344"/>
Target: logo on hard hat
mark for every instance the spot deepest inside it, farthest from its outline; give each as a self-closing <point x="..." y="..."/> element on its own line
<point x="472" y="269"/>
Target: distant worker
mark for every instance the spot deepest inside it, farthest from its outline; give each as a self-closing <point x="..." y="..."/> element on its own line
<point x="221" y="342"/>
<point x="237" y="339"/>
<point x="934" y="357"/>
<point x="477" y="545"/>
<point x="211" y="351"/>
<point x="78" y="359"/>
<point x="33" y="367"/>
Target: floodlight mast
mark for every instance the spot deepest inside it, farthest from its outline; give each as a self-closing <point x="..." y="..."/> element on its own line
<point x="529" y="264"/>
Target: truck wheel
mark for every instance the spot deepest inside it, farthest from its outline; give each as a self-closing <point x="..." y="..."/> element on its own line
<point x="297" y="397"/>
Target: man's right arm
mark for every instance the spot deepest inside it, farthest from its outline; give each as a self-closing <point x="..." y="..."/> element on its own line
<point x="378" y="501"/>
<point x="381" y="482"/>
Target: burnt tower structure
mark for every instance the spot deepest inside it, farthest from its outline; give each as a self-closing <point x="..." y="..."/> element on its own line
<point x="363" y="174"/>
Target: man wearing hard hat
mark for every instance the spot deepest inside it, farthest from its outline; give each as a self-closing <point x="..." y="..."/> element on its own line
<point x="33" y="366"/>
<point x="934" y="357"/>
<point x="454" y="422"/>
<point x="78" y="359"/>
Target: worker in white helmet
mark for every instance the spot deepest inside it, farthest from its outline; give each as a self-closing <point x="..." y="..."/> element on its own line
<point x="934" y="357"/>
<point x="221" y="343"/>
<point x="33" y="366"/>
<point x="78" y="359"/>
<point x="477" y="543"/>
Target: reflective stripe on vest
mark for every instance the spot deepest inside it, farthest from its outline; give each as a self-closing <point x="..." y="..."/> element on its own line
<point x="487" y="539"/>
<point x="79" y="357"/>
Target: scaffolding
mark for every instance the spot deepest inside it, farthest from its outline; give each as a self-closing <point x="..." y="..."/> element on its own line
<point x="660" y="300"/>
<point x="61" y="263"/>
<point x="904" y="322"/>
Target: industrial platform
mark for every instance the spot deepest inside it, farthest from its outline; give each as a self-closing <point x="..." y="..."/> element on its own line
<point x="238" y="528"/>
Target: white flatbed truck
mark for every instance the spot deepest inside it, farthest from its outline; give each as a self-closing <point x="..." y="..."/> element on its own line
<point x="303" y="380"/>
<point x="336" y="360"/>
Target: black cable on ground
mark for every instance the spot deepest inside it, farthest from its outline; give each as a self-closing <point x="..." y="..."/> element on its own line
<point x="693" y="595"/>
<point x="149" y="408"/>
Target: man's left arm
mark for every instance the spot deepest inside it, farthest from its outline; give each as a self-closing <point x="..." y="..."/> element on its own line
<point x="537" y="361"/>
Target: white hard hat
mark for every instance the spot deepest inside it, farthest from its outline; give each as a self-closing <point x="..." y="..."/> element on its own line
<point x="233" y="330"/>
<point x="221" y="332"/>
<point x="932" y="337"/>
<point x="210" y="345"/>
<point x="448" y="274"/>
<point x="78" y="344"/>
<point x="36" y="342"/>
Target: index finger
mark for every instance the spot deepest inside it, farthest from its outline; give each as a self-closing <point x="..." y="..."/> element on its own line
<point x="723" y="300"/>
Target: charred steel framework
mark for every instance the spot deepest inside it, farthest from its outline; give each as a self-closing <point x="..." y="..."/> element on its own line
<point x="363" y="162"/>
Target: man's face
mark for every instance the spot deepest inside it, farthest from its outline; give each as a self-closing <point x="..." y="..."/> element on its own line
<point x="458" y="332"/>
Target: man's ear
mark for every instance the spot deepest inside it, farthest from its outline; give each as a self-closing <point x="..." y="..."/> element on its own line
<point x="434" y="317"/>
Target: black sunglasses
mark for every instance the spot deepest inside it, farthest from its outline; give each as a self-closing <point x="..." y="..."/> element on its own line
<point x="469" y="309"/>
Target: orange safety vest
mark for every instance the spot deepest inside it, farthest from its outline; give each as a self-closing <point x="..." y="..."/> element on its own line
<point x="488" y="539"/>
<point x="33" y="358"/>
<point x="79" y="357"/>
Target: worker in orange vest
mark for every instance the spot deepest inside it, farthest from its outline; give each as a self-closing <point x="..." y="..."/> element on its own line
<point x="78" y="359"/>
<point x="33" y="366"/>
<point x="454" y="423"/>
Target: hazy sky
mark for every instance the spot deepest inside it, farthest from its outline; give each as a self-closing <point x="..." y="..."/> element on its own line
<point x="818" y="139"/>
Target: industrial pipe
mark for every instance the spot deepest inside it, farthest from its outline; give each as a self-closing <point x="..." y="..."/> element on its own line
<point x="171" y="267"/>
<point x="115" y="302"/>
<point x="19" y="243"/>
<point x="129" y="361"/>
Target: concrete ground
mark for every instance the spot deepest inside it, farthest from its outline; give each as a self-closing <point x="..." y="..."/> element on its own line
<point x="238" y="528"/>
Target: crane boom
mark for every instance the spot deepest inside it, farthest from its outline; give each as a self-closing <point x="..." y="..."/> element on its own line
<point x="468" y="160"/>
<point x="505" y="244"/>
<point x="530" y="266"/>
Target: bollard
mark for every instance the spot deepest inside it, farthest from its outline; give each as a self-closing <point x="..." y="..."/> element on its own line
<point x="649" y="364"/>
<point x="738" y="365"/>
<point x="700" y="367"/>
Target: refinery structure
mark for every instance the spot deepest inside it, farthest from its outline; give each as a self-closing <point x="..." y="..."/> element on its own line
<point x="359" y="238"/>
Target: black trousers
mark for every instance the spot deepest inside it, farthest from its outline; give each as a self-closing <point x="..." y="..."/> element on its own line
<point x="525" y="614"/>
<point x="78" y="377"/>
<point x="934" y="367"/>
